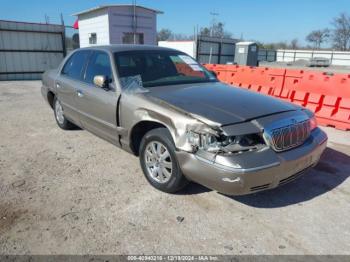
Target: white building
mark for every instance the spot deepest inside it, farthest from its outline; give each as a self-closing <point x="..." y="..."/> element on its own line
<point x="118" y="24"/>
<point x="188" y="47"/>
<point x="206" y="49"/>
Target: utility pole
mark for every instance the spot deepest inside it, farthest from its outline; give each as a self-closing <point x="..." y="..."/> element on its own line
<point x="62" y="20"/>
<point x="213" y="21"/>
<point x="63" y="36"/>
<point x="134" y="21"/>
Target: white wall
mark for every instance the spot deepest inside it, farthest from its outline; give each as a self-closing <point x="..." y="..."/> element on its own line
<point x="94" y="22"/>
<point x="336" y="58"/>
<point x="187" y="47"/>
<point x="111" y="23"/>
<point x="121" y="21"/>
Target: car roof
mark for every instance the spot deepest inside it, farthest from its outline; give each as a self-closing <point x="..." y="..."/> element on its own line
<point x="125" y="47"/>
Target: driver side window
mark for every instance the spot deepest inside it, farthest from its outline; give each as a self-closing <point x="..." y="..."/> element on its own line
<point x="99" y="64"/>
<point x="75" y="65"/>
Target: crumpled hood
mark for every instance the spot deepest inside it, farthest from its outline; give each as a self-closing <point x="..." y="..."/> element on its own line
<point x="219" y="102"/>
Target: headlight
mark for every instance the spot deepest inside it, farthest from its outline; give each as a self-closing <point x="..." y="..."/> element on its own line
<point x="313" y="123"/>
<point x="225" y="144"/>
<point x="193" y="138"/>
<point x="202" y="141"/>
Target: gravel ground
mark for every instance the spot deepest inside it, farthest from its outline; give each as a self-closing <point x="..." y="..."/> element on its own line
<point x="68" y="192"/>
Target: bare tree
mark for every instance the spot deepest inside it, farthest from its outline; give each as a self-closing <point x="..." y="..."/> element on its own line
<point x="217" y="29"/>
<point x="164" y="34"/>
<point x="181" y="37"/>
<point x="205" y="31"/>
<point x="318" y="37"/>
<point x="341" y="32"/>
<point x="275" y="46"/>
<point x="294" y="44"/>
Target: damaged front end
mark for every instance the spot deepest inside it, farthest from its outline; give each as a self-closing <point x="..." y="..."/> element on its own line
<point x="218" y="158"/>
<point x="212" y="144"/>
<point x="194" y="133"/>
<point x="225" y="144"/>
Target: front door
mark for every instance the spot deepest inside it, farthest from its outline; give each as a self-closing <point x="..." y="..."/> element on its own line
<point x="98" y="107"/>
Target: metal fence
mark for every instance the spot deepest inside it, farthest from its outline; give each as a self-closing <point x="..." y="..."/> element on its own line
<point x="267" y="55"/>
<point x="28" y="49"/>
<point x="335" y="57"/>
<point x="212" y="50"/>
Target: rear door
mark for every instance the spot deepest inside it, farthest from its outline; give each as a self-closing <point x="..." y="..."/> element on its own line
<point x="68" y="82"/>
<point x="98" y="107"/>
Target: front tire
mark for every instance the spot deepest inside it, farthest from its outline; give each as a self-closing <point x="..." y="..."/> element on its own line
<point x="61" y="120"/>
<point x="159" y="163"/>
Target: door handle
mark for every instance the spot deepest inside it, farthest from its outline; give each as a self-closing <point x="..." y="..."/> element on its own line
<point x="80" y="93"/>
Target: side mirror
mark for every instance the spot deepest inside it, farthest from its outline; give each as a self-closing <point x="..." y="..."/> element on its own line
<point x="102" y="82"/>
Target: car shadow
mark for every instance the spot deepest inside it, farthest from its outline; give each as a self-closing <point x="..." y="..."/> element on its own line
<point x="75" y="128"/>
<point x="193" y="189"/>
<point x="332" y="170"/>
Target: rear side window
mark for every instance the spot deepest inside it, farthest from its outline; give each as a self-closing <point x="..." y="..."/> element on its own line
<point x="75" y="64"/>
<point x="99" y="64"/>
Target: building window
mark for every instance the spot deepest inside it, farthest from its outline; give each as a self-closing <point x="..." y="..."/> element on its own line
<point x="92" y="39"/>
<point x="128" y="38"/>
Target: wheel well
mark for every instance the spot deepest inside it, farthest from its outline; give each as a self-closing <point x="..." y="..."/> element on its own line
<point x="50" y="98"/>
<point x="138" y="131"/>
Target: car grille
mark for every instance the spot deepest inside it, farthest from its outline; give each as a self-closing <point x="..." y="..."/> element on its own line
<point x="287" y="137"/>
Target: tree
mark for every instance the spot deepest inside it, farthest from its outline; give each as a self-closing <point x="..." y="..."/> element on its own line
<point x="317" y="37"/>
<point x="76" y="41"/>
<point x="164" y="34"/>
<point x="294" y="44"/>
<point x="181" y="37"/>
<point x="205" y="31"/>
<point x="341" y="32"/>
<point x="275" y="46"/>
<point x="217" y="29"/>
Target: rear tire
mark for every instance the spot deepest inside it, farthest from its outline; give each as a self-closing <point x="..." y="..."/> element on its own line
<point x="61" y="120"/>
<point x="159" y="163"/>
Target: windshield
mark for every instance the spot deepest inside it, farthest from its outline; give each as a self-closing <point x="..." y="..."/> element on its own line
<point x="156" y="68"/>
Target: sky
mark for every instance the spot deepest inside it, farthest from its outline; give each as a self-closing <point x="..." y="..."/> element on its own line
<point x="261" y="20"/>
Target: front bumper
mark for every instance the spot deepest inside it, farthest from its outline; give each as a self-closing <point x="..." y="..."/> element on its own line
<point x="253" y="171"/>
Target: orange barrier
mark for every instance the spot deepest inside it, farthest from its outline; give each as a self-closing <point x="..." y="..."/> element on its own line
<point x="220" y="70"/>
<point x="328" y="96"/>
<point x="324" y="94"/>
<point x="264" y="80"/>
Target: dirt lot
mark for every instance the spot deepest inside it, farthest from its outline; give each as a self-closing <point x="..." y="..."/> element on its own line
<point x="72" y="193"/>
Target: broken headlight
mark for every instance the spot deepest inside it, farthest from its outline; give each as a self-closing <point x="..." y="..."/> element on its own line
<point x="225" y="144"/>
